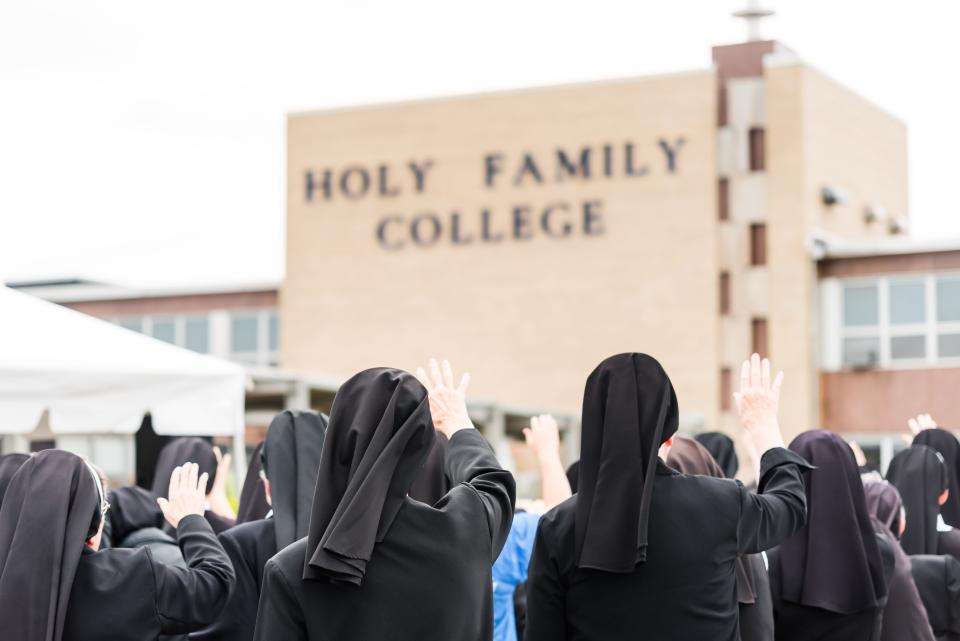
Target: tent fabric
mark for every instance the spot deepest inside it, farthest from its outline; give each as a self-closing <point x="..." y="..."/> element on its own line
<point x="95" y="377"/>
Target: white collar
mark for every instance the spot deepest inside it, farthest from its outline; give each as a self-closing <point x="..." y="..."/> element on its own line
<point x="941" y="525"/>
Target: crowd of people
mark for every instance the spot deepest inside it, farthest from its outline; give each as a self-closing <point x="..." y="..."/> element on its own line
<point x="392" y="519"/>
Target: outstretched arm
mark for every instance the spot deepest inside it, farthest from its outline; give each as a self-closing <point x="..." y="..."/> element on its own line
<point x="191" y="597"/>
<point x="779" y="508"/>
<point x="543" y="437"/>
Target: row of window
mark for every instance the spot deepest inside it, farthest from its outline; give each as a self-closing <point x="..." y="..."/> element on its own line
<point x="905" y="320"/>
<point x="254" y="335"/>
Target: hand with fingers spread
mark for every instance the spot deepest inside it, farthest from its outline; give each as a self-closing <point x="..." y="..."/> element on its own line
<point x="186" y="495"/>
<point x="920" y="423"/>
<point x="448" y="404"/>
<point x="217" y="498"/>
<point x="543" y="436"/>
<point x="758" y="402"/>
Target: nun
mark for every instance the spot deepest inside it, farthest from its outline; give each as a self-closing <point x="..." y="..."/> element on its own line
<point x="689" y="456"/>
<point x="722" y="450"/>
<point x="56" y="585"/>
<point x="289" y="458"/>
<point x="376" y="563"/>
<point x="938" y="582"/>
<point x="642" y="551"/>
<point x="947" y="445"/>
<point x="253" y="504"/>
<point x="828" y="580"/>
<point x="200" y="452"/>
<point x="922" y="478"/>
<point x="904" y="616"/>
<point x="9" y="464"/>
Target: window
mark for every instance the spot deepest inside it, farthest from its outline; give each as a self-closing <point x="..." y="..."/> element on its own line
<point x="726" y="388"/>
<point x="165" y="329"/>
<point x="196" y="334"/>
<point x="861" y="353"/>
<point x="273" y="331"/>
<point x="724" y="293"/>
<point x="758" y="327"/>
<point x="906" y="321"/>
<point x="133" y="322"/>
<point x="948" y="345"/>
<point x="244" y="334"/>
<point x="860" y="305"/>
<point x="255" y="336"/>
<point x="861" y="320"/>
<point x="723" y="199"/>
<point x="758" y="244"/>
<point x="948" y="300"/>
<point x="907" y="302"/>
<point x="757" y="144"/>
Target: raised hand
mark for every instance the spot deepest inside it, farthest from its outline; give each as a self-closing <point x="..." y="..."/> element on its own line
<point x="543" y="436"/>
<point x="920" y="423"/>
<point x="217" y="498"/>
<point x="186" y="494"/>
<point x="448" y="403"/>
<point x="758" y="402"/>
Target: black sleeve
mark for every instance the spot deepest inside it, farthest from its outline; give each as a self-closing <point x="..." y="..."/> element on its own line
<point x="779" y="508"/>
<point x="239" y="616"/>
<point x="279" y="617"/>
<point x="470" y="460"/>
<point x="546" y="594"/>
<point x="192" y="597"/>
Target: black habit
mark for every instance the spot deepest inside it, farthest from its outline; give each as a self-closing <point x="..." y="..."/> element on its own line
<point x="253" y="503"/>
<point x="9" y="464"/>
<point x="642" y="551"/>
<point x="947" y="445"/>
<point x="53" y="587"/>
<point x="290" y="458"/>
<point x="904" y="616"/>
<point x="723" y="451"/>
<point x="189" y="450"/>
<point x="921" y="475"/>
<point x="828" y="579"/>
<point x="938" y="581"/>
<point x="689" y="456"/>
<point x="376" y="563"/>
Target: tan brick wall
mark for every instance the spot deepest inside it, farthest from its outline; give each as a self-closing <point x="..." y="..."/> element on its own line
<point x="819" y="134"/>
<point x="531" y="318"/>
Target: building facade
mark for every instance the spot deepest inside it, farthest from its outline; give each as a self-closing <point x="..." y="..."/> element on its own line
<point x="755" y="205"/>
<point x="527" y="235"/>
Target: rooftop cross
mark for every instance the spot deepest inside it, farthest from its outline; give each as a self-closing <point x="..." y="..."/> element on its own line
<point x="753" y="14"/>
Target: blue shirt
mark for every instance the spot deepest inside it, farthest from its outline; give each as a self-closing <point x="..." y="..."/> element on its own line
<point x="509" y="571"/>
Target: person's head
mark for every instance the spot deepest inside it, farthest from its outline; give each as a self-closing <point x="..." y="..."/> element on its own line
<point x="53" y="506"/>
<point x="290" y="460"/>
<point x="689" y="456"/>
<point x="94" y="541"/>
<point x="921" y="477"/>
<point x="379" y="434"/>
<point x="722" y="449"/>
<point x="178" y="452"/>
<point x="946" y="444"/>
<point x="833" y="562"/>
<point x="630" y="410"/>
<point x="886" y="506"/>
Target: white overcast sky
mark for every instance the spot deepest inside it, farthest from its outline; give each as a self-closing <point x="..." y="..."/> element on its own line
<point x="143" y="142"/>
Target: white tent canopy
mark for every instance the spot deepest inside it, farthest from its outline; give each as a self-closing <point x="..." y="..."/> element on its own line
<point x="94" y="377"/>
